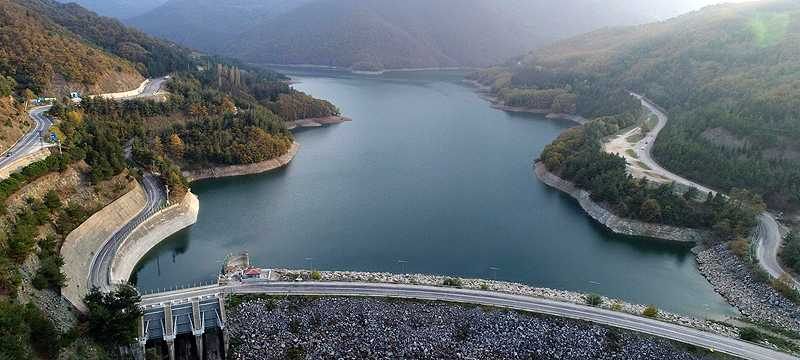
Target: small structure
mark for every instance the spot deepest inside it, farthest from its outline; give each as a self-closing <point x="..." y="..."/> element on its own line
<point x="251" y="273"/>
<point x="75" y="97"/>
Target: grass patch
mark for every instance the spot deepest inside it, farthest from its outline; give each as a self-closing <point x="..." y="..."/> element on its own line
<point x="631" y="153"/>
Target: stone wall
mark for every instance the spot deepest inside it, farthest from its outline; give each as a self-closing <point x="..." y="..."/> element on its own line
<point x="82" y="243"/>
<point x="614" y="222"/>
<point x="249" y="169"/>
<point x="150" y="233"/>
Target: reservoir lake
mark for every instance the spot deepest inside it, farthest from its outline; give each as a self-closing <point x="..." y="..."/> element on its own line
<point x="427" y="178"/>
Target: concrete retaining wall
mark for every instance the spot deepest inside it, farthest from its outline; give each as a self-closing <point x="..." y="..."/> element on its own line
<point x="150" y="233"/>
<point x="125" y="94"/>
<point x="615" y="223"/>
<point x="82" y="243"/>
<point x="238" y="170"/>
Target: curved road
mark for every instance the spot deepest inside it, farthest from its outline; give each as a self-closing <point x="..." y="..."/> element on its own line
<point x="657" y="328"/>
<point x="31" y="141"/>
<point x="100" y="269"/>
<point x="767" y="236"/>
<point x="150" y="90"/>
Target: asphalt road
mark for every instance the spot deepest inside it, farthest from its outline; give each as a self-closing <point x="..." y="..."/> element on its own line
<point x="100" y="269"/>
<point x="150" y="90"/>
<point x="767" y="236"/>
<point x="644" y="148"/>
<point x="31" y="141"/>
<point x="769" y="242"/>
<point x="658" y="328"/>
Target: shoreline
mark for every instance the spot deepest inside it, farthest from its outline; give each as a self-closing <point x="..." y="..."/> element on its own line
<point x="615" y="223"/>
<point x="485" y="93"/>
<point x="368" y="72"/>
<point x="316" y="122"/>
<point x="239" y="170"/>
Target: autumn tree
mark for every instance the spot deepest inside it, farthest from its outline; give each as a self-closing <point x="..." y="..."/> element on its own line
<point x="176" y="147"/>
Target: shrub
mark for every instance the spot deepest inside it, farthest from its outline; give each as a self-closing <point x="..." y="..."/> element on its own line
<point x="316" y="276"/>
<point x="616" y="306"/>
<point x="484" y="286"/>
<point x="455" y="282"/>
<point x="740" y="247"/>
<point x="784" y="286"/>
<point x="650" y="311"/>
<point x="296" y="353"/>
<point x="593" y="300"/>
<point x="750" y="334"/>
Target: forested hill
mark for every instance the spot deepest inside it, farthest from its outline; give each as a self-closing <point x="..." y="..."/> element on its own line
<point x="376" y="34"/>
<point x="40" y="55"/>
<point x="121" y="9"/>
<point x="151" y="56"/>
<point x="729" y="76"/>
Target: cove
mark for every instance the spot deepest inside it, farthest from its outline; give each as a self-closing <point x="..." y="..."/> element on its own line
<point x="428" y="178"/>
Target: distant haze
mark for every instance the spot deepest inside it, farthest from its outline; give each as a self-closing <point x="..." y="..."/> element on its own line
<point x="380" y="34"/>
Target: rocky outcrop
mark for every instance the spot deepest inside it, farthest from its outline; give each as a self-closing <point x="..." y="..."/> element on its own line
<point x="615" y="223"/>
<point x="150" y="233"/>
<point x="249" y="169"/>
<point x="81" y="244"/>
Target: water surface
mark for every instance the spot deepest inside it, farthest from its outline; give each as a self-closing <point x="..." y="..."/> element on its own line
<point x="427" y="178"/>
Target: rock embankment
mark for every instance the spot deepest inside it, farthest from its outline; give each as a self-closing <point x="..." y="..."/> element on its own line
<point x="613" y="222"/>
<point x="362" y="328"/>
<point x="504" y="287"/>
<point x="249" y="169"/>
<point x="735" y="281"/>
<point x="150" y="233"/>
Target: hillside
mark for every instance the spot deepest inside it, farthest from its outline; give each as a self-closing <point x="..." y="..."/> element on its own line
<point x="121" y="9"/>
<point x="375" y="34"/>
<point x="45" y="57"/>
<point x="152" y="57"/>
<point x="728" y="76"/>
<point x="13" y="123"/>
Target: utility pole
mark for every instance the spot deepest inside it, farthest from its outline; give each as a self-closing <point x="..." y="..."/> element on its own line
<point x="494" y="272"/>
<point x="402" y="265"/>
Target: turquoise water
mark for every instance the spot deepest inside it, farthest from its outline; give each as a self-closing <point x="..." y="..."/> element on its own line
<point x="427" y="178"/>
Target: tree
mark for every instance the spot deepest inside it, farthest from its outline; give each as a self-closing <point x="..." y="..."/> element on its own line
<point x="650" y="210"/>
<point x="7" y="85"/>
<point x="158" y="146"/>
<point x="176" y="147"/>
<point x="113" y="316"/>
<point x="52" y="201"/>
